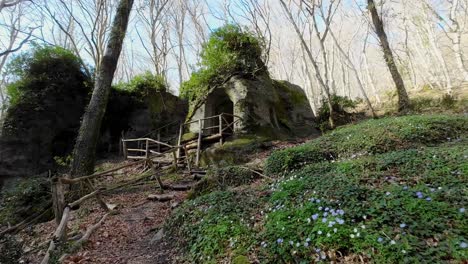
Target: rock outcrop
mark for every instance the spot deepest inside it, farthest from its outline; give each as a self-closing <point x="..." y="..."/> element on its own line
<point x="36" y="130"/>
<point x="265" y="106"/>
<point x="35" y="133"/>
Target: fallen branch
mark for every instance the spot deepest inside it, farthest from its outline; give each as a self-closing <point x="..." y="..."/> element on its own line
<point x="258" y="173"/>
<point x="78" y="244"/>
<point x="82" y="199"/>
<point x="161" y="197"/>
<point x="76" y="180"/>
<point x="59" y="234"/>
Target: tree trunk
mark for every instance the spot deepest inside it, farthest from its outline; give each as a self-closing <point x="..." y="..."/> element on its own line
<point x="318" y="76"/>
<point x="85" y="147"/>
<point x="356" y="74"/>
<point x="403" y="100"/>
<point x="456" y="40"/>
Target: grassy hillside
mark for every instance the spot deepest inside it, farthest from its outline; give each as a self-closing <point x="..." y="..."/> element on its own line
<point x="385" y="191"/>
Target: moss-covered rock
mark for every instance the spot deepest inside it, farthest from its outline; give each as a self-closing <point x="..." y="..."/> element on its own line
<point x="234" y="152"/>
<point x="136" y="114"/>
<point x="43" y="122"/>
<point x="262" y="106"/>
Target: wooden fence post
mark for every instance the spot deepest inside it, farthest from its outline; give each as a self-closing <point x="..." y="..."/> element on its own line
<point x="124" y="148"/>
<point x="147" y="149"/>
<point x="159" y="140"/>
<point x="179" y="141"/>
<point x="200" y="134"/>
<point x="187" y="158"/>
<point x="221" y="129"/>
<point x="58" y="199"/>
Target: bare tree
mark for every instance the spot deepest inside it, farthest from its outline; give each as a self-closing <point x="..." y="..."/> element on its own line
<point x="453" y="29"/>
<point x="370" y="79"/>
<point x="322" y="80"/>
<point x="152" y="16"/>
<point x="85" y="147"/>
<point x="403" y="99"/>
<point x="9" y="3"/>
<point x="18" y="34"/>
<point x="356" y="73"/>
<point x="91" y="21"/>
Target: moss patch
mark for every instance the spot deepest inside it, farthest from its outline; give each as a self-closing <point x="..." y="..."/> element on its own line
<point x="189" y="136"/>
<point x="371" y="137"/>
<point x="220" y="179"/>
<point x="296" y="97"/>
<point x="235" y="152"/>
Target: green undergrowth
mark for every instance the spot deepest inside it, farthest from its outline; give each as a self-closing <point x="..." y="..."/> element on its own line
<point x="404" y="203"/>
<point x="400" y="207"/>
<point x="370" y="137"/>
<point x="30" y="196"/>
<point x="215" y="226"/>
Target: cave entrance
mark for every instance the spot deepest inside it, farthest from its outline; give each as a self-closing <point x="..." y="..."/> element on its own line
<point x="219" y="103"/>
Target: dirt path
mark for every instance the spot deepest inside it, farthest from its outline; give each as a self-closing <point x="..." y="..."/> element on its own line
<point x="126" y="236"/>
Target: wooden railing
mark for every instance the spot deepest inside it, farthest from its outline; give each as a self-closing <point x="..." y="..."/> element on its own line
<point x="143" y="148"/>
<point x="219" y="130"/>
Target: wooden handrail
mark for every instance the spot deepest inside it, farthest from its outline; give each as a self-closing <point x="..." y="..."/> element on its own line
<point x="149" y="139"/>
<point x="212" y="117"/>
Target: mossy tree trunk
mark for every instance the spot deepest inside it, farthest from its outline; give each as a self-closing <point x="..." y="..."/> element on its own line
<point x="403" y="99"/>
<point x="85" y="147"/>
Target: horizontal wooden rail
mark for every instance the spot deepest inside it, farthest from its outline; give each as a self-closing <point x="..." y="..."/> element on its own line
<point x="139" y="150"/>
<point x="149" y="139"/>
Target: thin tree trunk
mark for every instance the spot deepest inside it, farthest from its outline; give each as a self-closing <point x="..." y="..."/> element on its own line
<point x="319" y="78"/>
<point x="456" y="40"/>
<point x="368" y="73"/>
<point x="85" y="147"/>
<point x="403" y="99"/>
<point x="439" y="56"/>
<point x="356" y="74"/>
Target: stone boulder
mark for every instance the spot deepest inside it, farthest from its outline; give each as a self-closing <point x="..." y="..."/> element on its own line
<point x="35" y="133"/>
<point x="265" y="107"/>
<point x="38" y="129"/>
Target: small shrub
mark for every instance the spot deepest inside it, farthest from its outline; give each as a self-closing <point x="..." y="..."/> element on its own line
<point x="144" y="85"/>
<point x="230" y="50"/>
<point x="342" y="107"/>
<point x="45" y="69"/>
<point x="30" y="196"/>
<point x="447" y="101"/>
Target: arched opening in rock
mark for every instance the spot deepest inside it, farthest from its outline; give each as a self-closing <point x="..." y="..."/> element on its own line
<point x="218" y="103"/>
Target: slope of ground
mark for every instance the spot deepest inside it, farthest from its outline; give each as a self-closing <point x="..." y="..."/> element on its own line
<point x="385" y="191"/>
<point x="127" y="235"/>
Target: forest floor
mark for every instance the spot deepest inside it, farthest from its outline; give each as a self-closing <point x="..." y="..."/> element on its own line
<point x="126" y="236"/>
